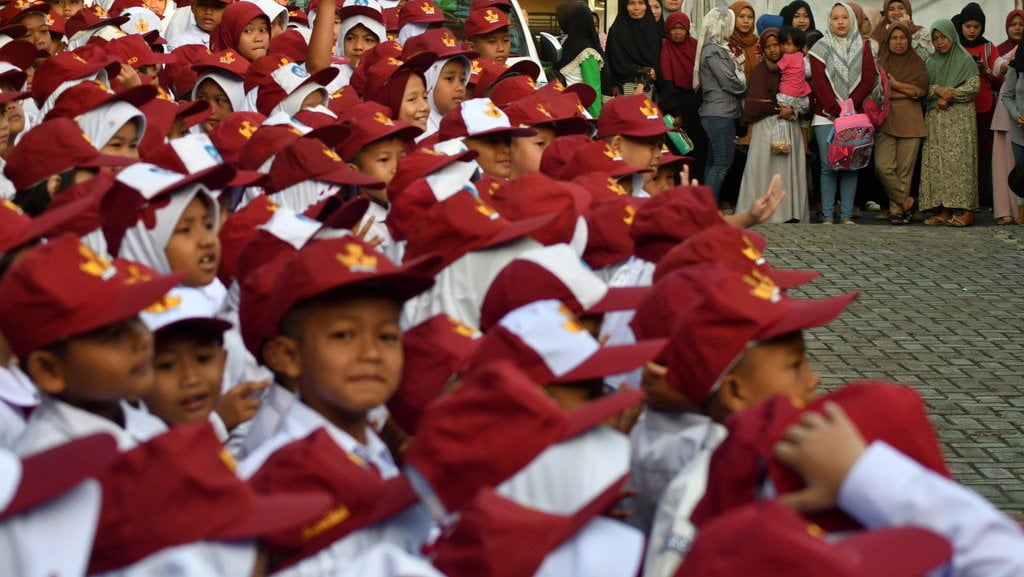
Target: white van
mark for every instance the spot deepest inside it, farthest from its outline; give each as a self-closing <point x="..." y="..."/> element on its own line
<point x="523" y="46"/>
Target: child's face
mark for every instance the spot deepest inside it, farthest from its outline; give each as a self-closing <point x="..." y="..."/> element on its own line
<point x="971" y="29"/>
<point x="220" y="104"/>
<point x="255" y="39"/>
<point x="655" y="9"/>
<point x="497" y="45"/>
<point x="349" y="356"/>
<point x="495" y="153"/>
<point x="678" y="34"/>
<point x="125" y="142"/>
<point x="194" y="245"/>
<point x="450" y="89"/>
<point x="208" y="13"/>
<point x="15" y="117"/>
<point x="380" y="160"/>
<point x="777" y="367"/>
<point x="788" y="47"/>
<point x="639" y="152"/>
<point x="662" y="180"/>
<point x="99" y="368"/>
<point x="67" y="8"/>
<point x="415" y="105"/>
<point x="157" y="6"/>
<point x="188" y="374"/>
<point x="636" y="9"/>
<point x="38" y="31"/>
<point x="358" y="40"/>
<point x="527" y="150"/>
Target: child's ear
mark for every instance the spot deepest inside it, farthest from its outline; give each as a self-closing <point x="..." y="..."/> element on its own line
<point x="470" y="46"/>
<point x="46" y="371"/>
<point x="353" y="166"/>
<point x="731" y="394"/>
<point x="615" y="143"/>
<point x="281" y="354"/>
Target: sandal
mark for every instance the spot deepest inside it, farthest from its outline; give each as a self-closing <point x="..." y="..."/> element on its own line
<point x="898" y="218"/>
<point x="938" y="219"/>
<point x="1005" y="220"/>
<point x="964" y="219"/>
<point x="907" y="204"/>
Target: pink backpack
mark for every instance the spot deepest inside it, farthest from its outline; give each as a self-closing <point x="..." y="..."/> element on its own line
<point x="876" y="105"/>
<point x="852" y="139"/>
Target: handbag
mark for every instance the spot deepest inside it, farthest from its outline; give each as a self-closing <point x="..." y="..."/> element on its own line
<point x="852" y="139"/>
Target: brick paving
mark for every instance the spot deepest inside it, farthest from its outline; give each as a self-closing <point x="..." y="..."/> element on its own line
<point x="940" y="309"/>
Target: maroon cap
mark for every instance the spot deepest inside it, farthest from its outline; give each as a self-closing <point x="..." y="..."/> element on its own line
<point x="229" y="61"/>
<point x="86" y="96"/>
<point x="461" y="224"/>
<point x="557" y="154"/>
<point x="736" y="309"/>
<point x="672" y="217"/>
<point x="418" y="164"/>
<point x="19" y="53"/>
<point x="491" y="427"/>
<point x="493" y="72"/>
<point x="733" y="246"/>
<point x="380" y="73"/>
<point x="238" y="230"/>
<point x="635" y="116"/>
<point x="477" y="117"/>
<point x="343" y="99"/>
<point x="135" y="52"/>
<point x="178" y="76"/>
<point x="185" y="478"/>
<point x="66" y="66"/>
<point x="770" y="539"/>
<point x="291" y="44"/>
<point x="286" y="80"/>
<point x="420" y="11"/>
<point x="586" y="94"/>
<point x="310" y="159"/>
<point x="608" y="225"/>
<point x="485" y="21"/>
<point x="14" y="11"/>
<point x="18" y="229"/>
<point x="233" y="132"/>
<point x="382" y="51"/>
<point x="534" y="194"/>
<point x="557" y="109"/>
<point x="598" y="156"/>
<point x="256" y="290"/>
<point x="87" y="196"/>
<point x="32" y="160"/>
<point x="440" y="41"/>
<point x="369" y="123"/>
<point x="62" y="289"/>
<point x="265" y="143"/>
<point x="881" y="411"/>
<point x="359" y="497"/>
<point x="162" y="111"/>
<point x="512" y="89"/>
<point x="295" y="14"/>
<point x="90" y="18"/>
<point x="434" y="350"/>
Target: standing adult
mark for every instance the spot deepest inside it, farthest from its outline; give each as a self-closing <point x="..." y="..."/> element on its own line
<point x="898" y="140"/>
<point x="743" y="42"/>
<point x="798" y="14"/>
<point x="769" y="126"/>
<point x="582" y="58"/>
<point x="676" y="92"/>
<point x="842" y="68"/>
<point x="723" y="84"/>
<point x="634" y="47"/>
<point x="1005" y="207"/>
<point x="949" y="177"/>
<point x="901" y="12"/>
<point x="1013" y="99"/>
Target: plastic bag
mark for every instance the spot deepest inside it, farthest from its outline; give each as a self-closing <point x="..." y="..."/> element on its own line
<point x="780" y="141"/>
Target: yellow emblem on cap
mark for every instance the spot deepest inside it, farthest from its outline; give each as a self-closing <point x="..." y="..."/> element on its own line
<point x="493" y="187"/>
<point x="135" y="275"/>
<point x="283" y="61"/>
<point x="448" y="39"/>
<point x="541" y="109"/>
<point x="22" y="4"/>
<point x="815" y="531"/>
<point x="332" y="518"/>
<point x="486" y="209"/>
<point x="650" y="109"/>
<point x="383" y="118"/>
<point x="48" y="20"/>
<point x="95" y="265"/>
<point x="750" y="251"/>
<point x="492" y="110"/>
<point x="331" y="154"/>
<point x="162" y="94"/>
<point x="78" y="58"/>
<point x="394" y="61"/>
<point x="762" y="287"/>
<point x="166" y="303"/>
<point x="99" y="11"/>
<point x="571" y="324"/>
<point x="356" y="260"/>
<point x="475" y="67"/>
<point x="427" y="8"/>
<point x="614" y="186"/>
<point x="227" y="58"/>
<point x="141" y="26"/>
<point x="272" y="206"/>
<point x="247" y="129"/>
<point x="610" y="152"/>
<point x="459" y="328"/>
<point x="491" y="16"/>
<point x="630" y="215"/>
<point x="227" y="459"/>
<point x="12" y="207"/>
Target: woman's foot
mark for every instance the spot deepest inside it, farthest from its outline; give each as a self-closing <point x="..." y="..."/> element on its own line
<point x="1005" y="220"/>
<point x="964" y="219"/>
<point x="940" y="218"/>
<point x="848" y="221"/>
<point x="907" y="204"/>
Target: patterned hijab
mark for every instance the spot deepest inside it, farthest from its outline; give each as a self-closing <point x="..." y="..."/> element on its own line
<point x="843" y="56"/>
<point x="716" y="28"/>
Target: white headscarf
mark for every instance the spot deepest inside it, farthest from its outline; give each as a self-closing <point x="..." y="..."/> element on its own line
<point x="305" y="194"/>
<point x="232" y="85"/>
<point x="351" y="22"/>
<point x="843" y="56"/>
<point x="146" y="245"/>
<point x="101" y="123"/>
<point x="433" y="74"/>
<point x="716" y="28"/>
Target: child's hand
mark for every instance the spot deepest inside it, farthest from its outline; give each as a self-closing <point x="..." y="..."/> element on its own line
<point x="240" y="403"/>
<point x="128" y="77"/>
<point x="660" y="396"/>
<point x="822" y="448"/>
<point x="363" y="229"/>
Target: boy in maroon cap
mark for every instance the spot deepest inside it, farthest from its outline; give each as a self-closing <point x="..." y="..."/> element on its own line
<point x="487" y="33"/>
<point x="206" y="15"/>
<point x="71" y="318"/>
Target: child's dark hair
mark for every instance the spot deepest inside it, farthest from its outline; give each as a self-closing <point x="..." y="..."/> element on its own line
<point x="292" y="323"/>
<point x="189" y="331"/>
<point x="35" y="199"/>
<point x="794" y="35"/>
<point x="1016" y="180"/>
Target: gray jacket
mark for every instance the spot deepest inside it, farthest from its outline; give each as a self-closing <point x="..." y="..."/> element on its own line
<point x="721" y="85"/>
<point x="1013" y="99"/>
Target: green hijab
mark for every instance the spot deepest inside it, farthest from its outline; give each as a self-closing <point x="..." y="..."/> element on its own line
<point x="954" y="67"/>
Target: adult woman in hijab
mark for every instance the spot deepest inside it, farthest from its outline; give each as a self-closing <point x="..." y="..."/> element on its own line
<point x="1013" y="98"/>
<point x="970" y="26"/>
<point x="676" y="92"/>
<point x="634" y="46"/>
<point x="582" y="58"/>
<point x="723" y="84"/>
<point x="842" y="68"/>
<point x="948" y="175"/>
<point x="1004" y="203"/>
<point x="744" y="41"/>
<point x="898" y="140"/>
<point x="770" y="125"/>
<point x="901" y="12"/>
<point x="798" y="14"/>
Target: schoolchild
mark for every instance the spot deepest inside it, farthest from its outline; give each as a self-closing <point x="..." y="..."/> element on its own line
<point x="417" y="18"/>
<point x="486" y="32"/>
<point x="206" y="16"/>
<point x="447" y="79"/>
<point x="485" y="129"/>
<point x="244" y="28"/>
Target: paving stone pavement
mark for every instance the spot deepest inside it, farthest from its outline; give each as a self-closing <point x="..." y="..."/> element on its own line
<point x="941" y="310"/>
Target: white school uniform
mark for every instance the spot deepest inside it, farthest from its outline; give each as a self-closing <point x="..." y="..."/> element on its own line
<point x="391" y="248"/>
<point x="17" y="397"/>
<point x="273" y="407"/>
<point x="202" y="559"/>
<point x="635" y="272"/>
<point x="55" y="422"/>
<point x="192" y="34"/>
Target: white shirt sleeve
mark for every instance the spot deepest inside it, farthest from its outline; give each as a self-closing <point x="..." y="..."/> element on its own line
<point x="887" y="488"/>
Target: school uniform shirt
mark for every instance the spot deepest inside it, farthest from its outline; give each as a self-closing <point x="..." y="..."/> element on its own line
<point x="55" y="422"/>
<point x="661" y="444"/>
<point x="394" y="250"/>
<point x="274" y="405"/>
<point x="635" y="272"/>
<point x="885" y="488"/>
<point x="200" y="559"/>
<point x="7" y="189"/>
<point x="191" y="34"/>
<point x="18" y="396"/>
<point x="673" y="533"/>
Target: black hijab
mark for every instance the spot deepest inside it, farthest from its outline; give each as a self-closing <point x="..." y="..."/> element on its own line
<point x="1018" y="63"/>
<point x="790" y="9"/>
<point x="970" y="12"/>
<point x="577" y="22"/>
<point x="633" y="44"/>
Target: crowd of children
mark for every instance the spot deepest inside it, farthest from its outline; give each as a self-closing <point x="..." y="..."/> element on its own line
<point x="297" y="299"/>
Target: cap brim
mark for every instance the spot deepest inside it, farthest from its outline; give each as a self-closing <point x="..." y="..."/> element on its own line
<point x="106" y="160"/>
<point x="131" y="299"/>
<point x="193" y="112"/>
<point x="344" y="175"/>
<point x="11" y="96"/>
<point x="612" y="360"/>
<point x="214" y="178"/>
<point x="596" y="412"/>
<point x="510" y="131"/>
<point x="789" y="278"/>
<point x="620" y="299"/>
<point x="15" y="31"/>
<point x="331" y="135"/>
<point x="524" y="67"/>
<point x="585" y="92"/>
<point x="348" y="215"/>
<point x="895" y="551"/>
<point x="808" y="314"/>
<point x="50" y="473"/>
<point x="275" y="514"/>
<point x="248" y="178"/>
<point x="350" y="11"/>
<point x="669" y="159"/>
<point x="55" y="219"/>
<point x="321" y="77"/>
<point x="213" y="324"/>
<point x="419" y="62"/>
<point x="20" y="54"/>
<point x="518" y="229"/>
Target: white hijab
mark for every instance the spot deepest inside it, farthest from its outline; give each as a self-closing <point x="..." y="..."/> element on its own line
<point x="101" y="123"/>
<point x="146" y="245"/>
<point x="433" y="74"/>
<point x="232" y="85"/>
